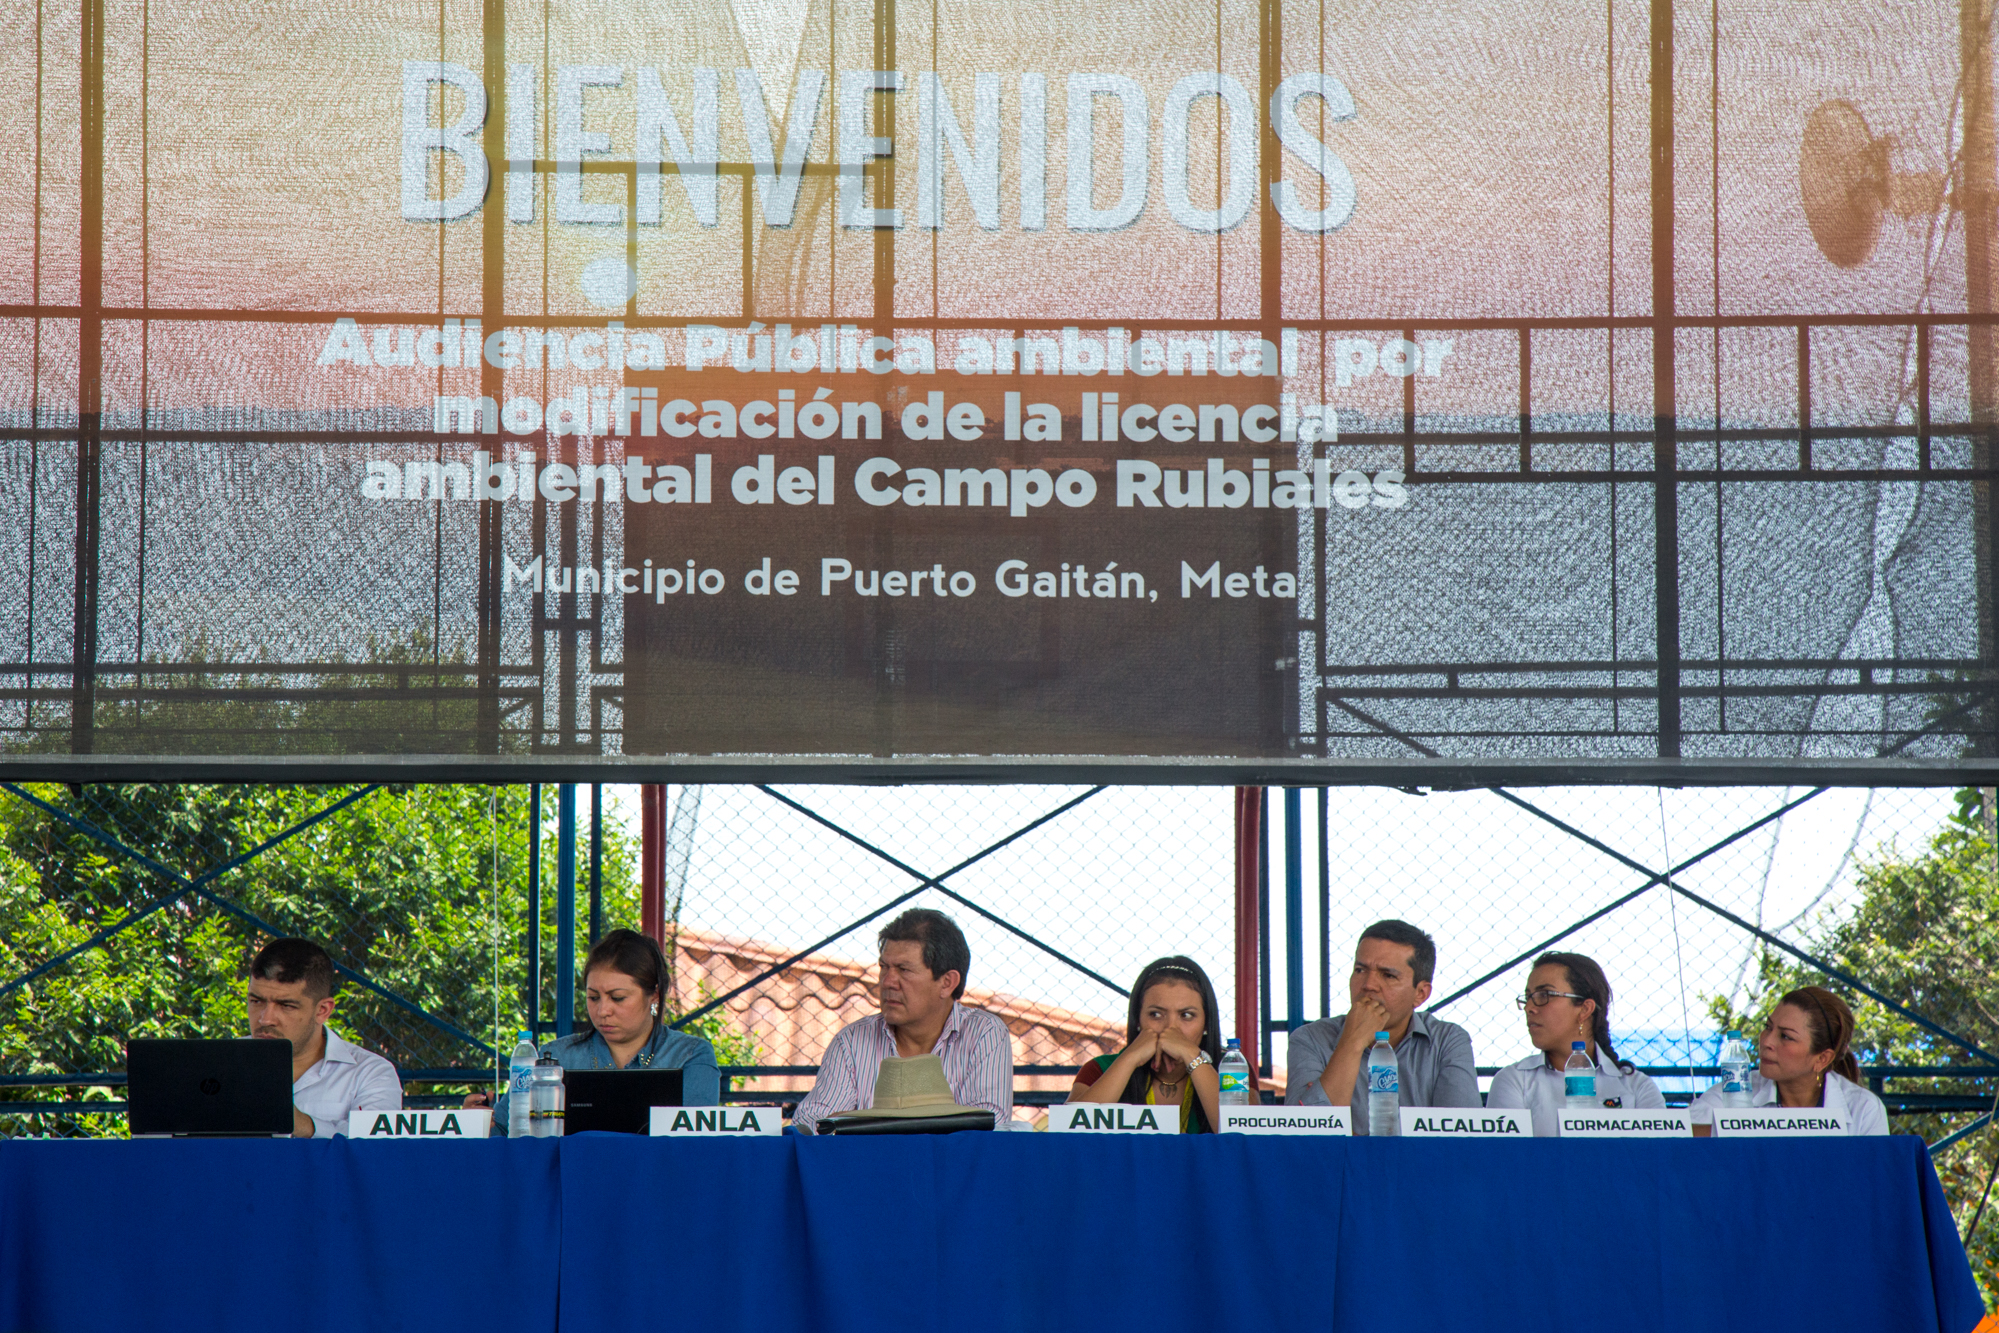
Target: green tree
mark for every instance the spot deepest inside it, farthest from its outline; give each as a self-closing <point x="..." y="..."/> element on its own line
<point x="1925" y="931"/>
<point x="419" y="889"/>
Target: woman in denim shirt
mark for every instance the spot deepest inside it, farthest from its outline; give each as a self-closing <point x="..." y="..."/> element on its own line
<point x="624" y="982"/>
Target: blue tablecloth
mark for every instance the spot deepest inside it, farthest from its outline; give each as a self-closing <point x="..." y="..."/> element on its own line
<point x="325" y="1236"/>
<point x="978" y="1232"/>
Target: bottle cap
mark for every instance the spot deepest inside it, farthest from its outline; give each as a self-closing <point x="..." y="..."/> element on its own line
<point x="1233" y="1043"/>
<point x="1381" y="1036"/>
<point x="1576" y="1046"/>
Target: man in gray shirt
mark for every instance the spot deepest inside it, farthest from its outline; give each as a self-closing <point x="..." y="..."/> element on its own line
<point x="1392" y="967"/>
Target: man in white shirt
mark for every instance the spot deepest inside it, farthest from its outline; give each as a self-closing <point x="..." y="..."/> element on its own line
<point x="292" y="984"/>
<point x="924" y="959"/>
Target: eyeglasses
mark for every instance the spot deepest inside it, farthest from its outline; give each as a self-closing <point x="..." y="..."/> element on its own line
<point x="1540" y="995"/>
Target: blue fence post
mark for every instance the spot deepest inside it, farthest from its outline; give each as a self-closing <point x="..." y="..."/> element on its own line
<point x="534" y="909"/>
<point x="596" y="862"/>
<point x="1294" y="911"/>
<point x="565" y="909"/>
<point x="1325" y="905"/>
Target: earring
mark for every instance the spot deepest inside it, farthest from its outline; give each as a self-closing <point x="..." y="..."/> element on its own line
<point x="655" y="1009"/>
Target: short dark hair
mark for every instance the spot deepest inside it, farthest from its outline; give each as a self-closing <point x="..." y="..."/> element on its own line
<point x="1423" y="962"/>
<point x="289" y="959"/>
<point x="637" y="956"/>
<point x="944" y="947"/>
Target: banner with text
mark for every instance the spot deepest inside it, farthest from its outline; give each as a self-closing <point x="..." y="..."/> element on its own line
<point x="1200" y="386"/>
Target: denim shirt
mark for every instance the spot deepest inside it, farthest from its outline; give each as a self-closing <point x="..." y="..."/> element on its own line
<point x="665" y="1049"/>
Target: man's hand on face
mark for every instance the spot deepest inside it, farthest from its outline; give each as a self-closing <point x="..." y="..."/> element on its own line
<point x="1367" y="1017"/>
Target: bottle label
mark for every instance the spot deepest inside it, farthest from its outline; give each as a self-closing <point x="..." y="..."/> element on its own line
<point x="522" y="1078"/>
<point x="1234" y="1080"/>
<point x="1382" y="1078"/>
<point x="1579" y="1085"/>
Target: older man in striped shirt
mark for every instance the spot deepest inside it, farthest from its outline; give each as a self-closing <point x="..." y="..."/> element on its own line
<point x="924" y="959"/>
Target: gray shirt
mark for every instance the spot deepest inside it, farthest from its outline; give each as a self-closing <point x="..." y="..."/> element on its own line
<point x="1434" y="1066"/>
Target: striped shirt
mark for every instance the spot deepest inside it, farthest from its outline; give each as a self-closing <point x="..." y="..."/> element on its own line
<point x="975" y="1047"/>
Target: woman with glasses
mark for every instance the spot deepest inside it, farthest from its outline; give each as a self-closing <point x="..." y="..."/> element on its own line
<point x="1567" y="1001"/>
<point x="1807" y="1060"/>
<point x="1172" y="1044"/>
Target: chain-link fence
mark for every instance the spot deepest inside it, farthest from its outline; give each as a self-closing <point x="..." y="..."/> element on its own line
<point x="133" y="911"/>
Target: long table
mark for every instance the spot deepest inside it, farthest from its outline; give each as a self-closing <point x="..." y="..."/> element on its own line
<point x="978" y="1232"/>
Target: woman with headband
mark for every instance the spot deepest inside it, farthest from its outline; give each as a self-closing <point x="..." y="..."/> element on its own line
<point x="1172" y="1044"/>
<point x="1568" y="1001"/>
<point x="1807" y="1060"/>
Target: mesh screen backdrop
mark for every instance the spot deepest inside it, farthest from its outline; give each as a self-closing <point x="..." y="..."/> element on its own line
<point x="1316" y="385"/>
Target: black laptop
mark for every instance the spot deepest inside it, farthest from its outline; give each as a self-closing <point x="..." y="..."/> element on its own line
<point x="240" y="1088"/>
<point x="619" y="1100"/>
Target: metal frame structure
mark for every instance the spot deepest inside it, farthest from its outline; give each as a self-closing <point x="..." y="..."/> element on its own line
<point x="1986" y="1062"/>
<point x="513" y="738"/>
<point x="509" y="696"/>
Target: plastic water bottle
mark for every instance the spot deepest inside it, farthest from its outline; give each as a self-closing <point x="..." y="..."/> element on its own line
<point x="1578" y="1079"/>
<point x="520" y="1073"/>
<point x="1734" y="1064"/>
<point x="548" y="1099"/>
<point x="1234" y="1072"/>
<point x="1384" y="1089"/>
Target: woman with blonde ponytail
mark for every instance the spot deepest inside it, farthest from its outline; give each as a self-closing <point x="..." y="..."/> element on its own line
<point x="1807" y="1060"/>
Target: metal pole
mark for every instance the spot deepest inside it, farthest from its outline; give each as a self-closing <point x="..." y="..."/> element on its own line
<point x="534" y="909"/>
<point x="652" y="860"/>
<point x="1294" y="911"/>
<point x="1978" y="197"/>
<point x="492" y="306"/>
<point x="89" y="385"/>
<point x="1325" y="904"/>
<point x="1665" y="411"/>
<point x="1277" y="533"/>
<point x="1263" y="921"/>
<point x="596" y="861"/>
<point x="1245" y="922"/>
<point x="565" y="909"/>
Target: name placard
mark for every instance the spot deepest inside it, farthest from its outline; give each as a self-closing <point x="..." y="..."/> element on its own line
<point x="713" y="1121"/>
<point x="1285" y="1120"/>
<point x="1769" y="1122"/>
<point x="1660" y="1122"/>
<point x="452" y="1124"/>
<point x="1465" y="1123"/>
<point x="1113" y="1118"/>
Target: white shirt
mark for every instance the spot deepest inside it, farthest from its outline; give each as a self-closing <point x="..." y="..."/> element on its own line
<point x="975" y="1046"/>
<point x="1859" y="1108"/>
<point x="1536" y="1086"/>
<point x="346" y="1080"/>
